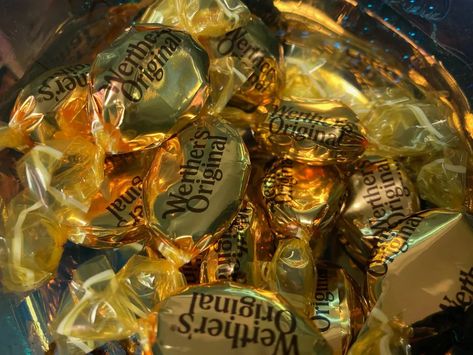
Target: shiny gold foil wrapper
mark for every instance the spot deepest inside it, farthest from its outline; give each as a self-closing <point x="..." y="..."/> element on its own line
<point x="249" y="57"/>
<point x="427" y="258"/>
<point x="53" y="106"/>
<point x="301" y="200"/>
<point x="292" y="274"/>
<point x="116" y="214"/>
<point x="148" y="85"/>
<point x="314" y="132"/>
<point x="239" y="253"/>
<point x="338" y="308"/>
<point x="382" y="335"/>
<point x="379" y="195"/>
<point x="201" y="18"/>
<point x="195" y="187"/>
<point x="236" y="319"/>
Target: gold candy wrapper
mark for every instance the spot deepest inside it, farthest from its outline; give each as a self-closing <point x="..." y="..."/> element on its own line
<point x="442" y="181"/>
<point x="236" y="319"/>
<point x="240" y="251"/>
<point x="313" y="132"/>
<point x="32" y="243"/>
<point x="63" y="174"/>
<point x="249" y="60"/>
<point x="310" y="76"/>
<point x="201" y="18"/>
<point x="379" y="195"/>
<point x="292" y="274"/>
<point x="53" y="106"/>
<point x="150" y="83"/>
<point x="432" y="250"/>
<point x="152" y="279"/>
<point x="338" y="309"/>
<point x="402" y="127"/>
<point x="103" y="306"/>
<point x="300" y="200"/>
<point x="383" y="336"/>
<point x="116" y="214"/>
<point x="195" y="187"/>
<point x="245" y="56"/>
<point x="402" y="111"/>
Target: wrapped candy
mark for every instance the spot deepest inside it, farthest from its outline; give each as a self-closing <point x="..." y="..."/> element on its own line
<point x="311" y="132"/>
<point x="403" y="126"/>
<point x="102" y="306"/>
<point x="32" y="243"/>
<point x="98" y="308"/>
<point x="442" y="181"/>
<point x="63" y="174"/>
<point x="209" y="318"/>
<point x="195" y="187"/>
<point x="431" y="250"/>
<point x="310" y="76"/>
<point x="382" y="336"/>
<point x="115" y="216"/>
<point x="245" y="56"/>
<point x="240" y="252"/>
<point x="53" y="106"/>
<point x="151" y="279"/>
<point x="148" y="85"/>
<point x="338" y="308"/>
<point x="379" y="195"/>
<point x="301" y="201"/>
<point x="255" y="55"/>
<point x="292" y="273"/>
<point x="202" y="18"/>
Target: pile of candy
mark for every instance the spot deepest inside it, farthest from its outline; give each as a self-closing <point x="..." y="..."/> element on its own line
<point x="275" y="191"/>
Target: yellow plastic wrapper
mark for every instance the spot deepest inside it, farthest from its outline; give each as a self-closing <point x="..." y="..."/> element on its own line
<point x="148" y="85"/>
<point x="379" y="195"/>
<point x="207" y="18"/>
<point x="245" y="56"/>
<point x="308" y="75"/>
<point x="402" y="126"/>
<point x="443" y="180"/>
<point x="338" y="309"/>
<point x="151" y="279"/>
<point x="300" y="200"/>
<point x="234" y="318"/>
<point x="292" y="273"/>
<point x="102" y="306"/>
<point x="314" y="132"/>
<point x="116" y="215"/>
<point x="98" y="307"/>
<point x="195" y="187"/>
<point x="31" y="243"/>
<point x="238" y="255"/>
<point x="63" y="174"/>
<point x="53" y="106"/>
<point x="382" y="336"/>
<point x="255" y="56"/>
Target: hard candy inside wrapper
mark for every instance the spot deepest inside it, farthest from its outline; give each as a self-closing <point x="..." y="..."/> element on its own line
<point x="250" y="177"/>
